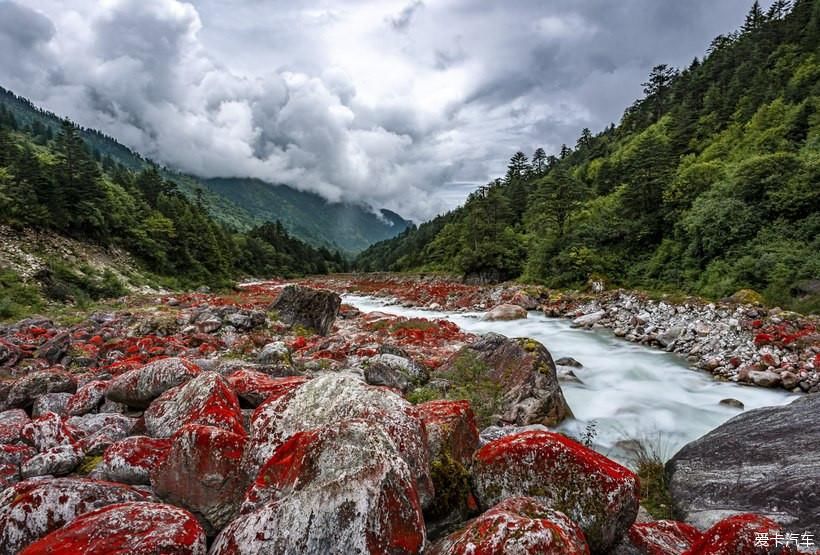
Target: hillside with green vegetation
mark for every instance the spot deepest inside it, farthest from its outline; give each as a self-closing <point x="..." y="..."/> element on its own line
<point x="238" y="203"/>
<point x="50" y="180"/>
<point x="350" y="227"/>
<point x="709" y="184"/>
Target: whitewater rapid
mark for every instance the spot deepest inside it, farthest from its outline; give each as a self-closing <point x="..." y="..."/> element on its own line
<point x="629" y="392"/>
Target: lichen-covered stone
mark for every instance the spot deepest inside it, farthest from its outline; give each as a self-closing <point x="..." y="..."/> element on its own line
<point x="201" y="472"/>
<point x="738" y="535"/>
<point x="335" y="490"/>
<point x="12" y="423"/>
<point x="50" y="402"/>
<point x="451" y="429"/>
<point x="254" y="387"/>
<point x="206" y="399"/>
<point x="315" y="309"/>
<point x="131" y="460"/>
<point x="56" y="461"/>
<point x="394" y="371"/>
<point x="333" y="398"/>
<point x="91" y="423"/>
<point x="662" y="537"/>
<point x="594" y="491"/>
<point x="88" y="397"/>
<point x="47" y="431"/>
<point x="519" y="525"/>
<point x="140" y="528"/>
<point x="31" y="509"/>
<point x="138" y="387"/>
<point x="26" y="389"/>
<point x="524" y="373"/>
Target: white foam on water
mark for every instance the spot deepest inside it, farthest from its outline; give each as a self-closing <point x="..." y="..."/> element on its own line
<point x="630" y="392"/>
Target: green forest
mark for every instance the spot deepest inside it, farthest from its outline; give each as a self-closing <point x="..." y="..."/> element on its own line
<point x="709" y="184"/>
<point x="50" y="179"/>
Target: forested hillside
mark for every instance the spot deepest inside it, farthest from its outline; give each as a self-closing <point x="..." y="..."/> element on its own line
<point x="709" y="184"/>
<point x="50" y="180"/>
<point x="239" y="203"/>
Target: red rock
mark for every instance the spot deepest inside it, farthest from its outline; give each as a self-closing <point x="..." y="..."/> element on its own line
<point x="341" y="489"/>
<point x="451" y="429"/>
<point x="207" y="399"/>
<point x="26" y="389"/>
<point x="15" y="454"/>
<point x="12" y="423"/>
<point x="663" y="537"/>
<point x="126" y="529"/>
<point x="9" y="475"/>
<point x="29" y="510"/>
<point x="594" y="491"/>
<point x="56" y="461"/>
<point x="131" y="460"/>
<point x="50" y="402"/>
<point x="88" y="397"/>
<point x="518" y="525"/>
<point x="202" y="473"/>
<point x="737" y="535"/>
<point x="138" y="387"/>
<point x="48" y="431"/>
<point x="333" y="398"/>
<point x="96" y="443"/>
<point x="90" y="423"/>
<point x="254" y="387"/>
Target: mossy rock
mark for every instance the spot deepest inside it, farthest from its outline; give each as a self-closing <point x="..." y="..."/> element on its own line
<point x="747" y="296"/>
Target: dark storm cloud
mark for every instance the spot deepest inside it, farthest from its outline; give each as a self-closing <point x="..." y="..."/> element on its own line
<point x="399" y="103"/>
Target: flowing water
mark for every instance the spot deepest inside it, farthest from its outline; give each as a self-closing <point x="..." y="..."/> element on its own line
<point x="629" y="392"/>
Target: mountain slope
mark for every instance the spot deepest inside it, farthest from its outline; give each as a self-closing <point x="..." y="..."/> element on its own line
<point x="308" y="216"/>
<point x="709" y="184"/>
<point x="239" y="203"/>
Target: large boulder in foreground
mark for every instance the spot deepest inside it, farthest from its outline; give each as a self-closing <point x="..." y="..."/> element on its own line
<point x="659" y="537"/>
<point x="138" y="387"/>
<point x="207" y="399"/>
<point x="29" y="510"/>
<point x="126" y="529"/>
<point x="132" y="459"/>
<point x="594" y="491"/>
<point x="315" y="309"/>
<point x="519" y="525"/>
<point x="328" y="400"/>
<point x="521" y="374"/>
<point x="201" y="472"/>
<point x="763" y="461"/>
<point x="336" y="490"/>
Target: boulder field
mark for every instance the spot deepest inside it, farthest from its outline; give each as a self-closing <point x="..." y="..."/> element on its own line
<point x="278" y="423"/>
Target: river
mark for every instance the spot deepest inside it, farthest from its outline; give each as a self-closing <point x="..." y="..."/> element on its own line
<point x="629" y="391"/>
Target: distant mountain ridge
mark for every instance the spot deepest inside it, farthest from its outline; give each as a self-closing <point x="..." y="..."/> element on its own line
<point x="345" y="226"/>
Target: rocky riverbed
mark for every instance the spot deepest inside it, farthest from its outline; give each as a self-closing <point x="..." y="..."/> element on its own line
<point x="278" y="420"/>
<point x="734" y="339"/>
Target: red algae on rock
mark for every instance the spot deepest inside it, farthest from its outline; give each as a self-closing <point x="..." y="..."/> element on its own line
<point x="594" y="491"/>
<point x="126" y="529"/>
<point x="519" y="525"/>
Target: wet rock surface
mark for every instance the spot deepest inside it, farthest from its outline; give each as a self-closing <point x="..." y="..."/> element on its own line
<point x="754" y="463"/>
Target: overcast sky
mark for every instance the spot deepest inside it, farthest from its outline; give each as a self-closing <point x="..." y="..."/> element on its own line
<point x="405" y="104"/>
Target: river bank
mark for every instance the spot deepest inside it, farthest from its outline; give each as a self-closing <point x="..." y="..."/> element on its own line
<point x="737" y="341"/>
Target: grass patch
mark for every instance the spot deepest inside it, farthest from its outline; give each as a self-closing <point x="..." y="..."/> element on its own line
<point x="648" y="463"/>
<point x="469" y="379"/>
<point x="17" y="299"/>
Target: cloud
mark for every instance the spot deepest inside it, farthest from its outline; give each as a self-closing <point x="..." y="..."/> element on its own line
<point x="400" y="105"/>
<point x="401" y="21"/>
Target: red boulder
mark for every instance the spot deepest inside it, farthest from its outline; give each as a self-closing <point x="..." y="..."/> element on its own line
<point x="743" y="535"/>
<point x="207" y="400"/>
<point x="518" y="525"/>
<point x="254" y="387"/>
<point x="138" y="387"/>
<point x="202" y="473"/>
<point x="337" y="490"/>
<point x="451" y="429"/>
<point x="48" y="431"/>
<point x="663" y="537"/>
<point x="126" y="529"/>
<point x="88" y="397"/>
<point x="31" y="509"/>
<point x="12" y="423"/>
<point x="594" y="491"/>
<point x="131" y="460"/>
